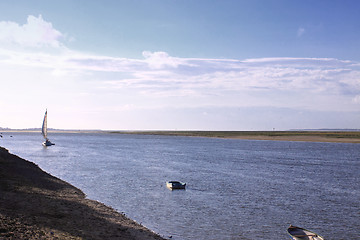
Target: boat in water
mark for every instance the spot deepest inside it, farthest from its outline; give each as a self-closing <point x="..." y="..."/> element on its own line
<point x="47" y="142"/>
<point x="298" y="233"/>
<point x="175" y="185"/>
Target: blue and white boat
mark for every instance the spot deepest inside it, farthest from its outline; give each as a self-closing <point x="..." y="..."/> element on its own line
<point x="298" y="233"/>
<point x="175" y="185"/>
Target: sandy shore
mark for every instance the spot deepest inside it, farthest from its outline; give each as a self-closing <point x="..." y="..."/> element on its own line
<point x="36" y="205"/>
<point x="300" y="136"/>
<point x="299" y="139"/>
<point x="303" y="136"/>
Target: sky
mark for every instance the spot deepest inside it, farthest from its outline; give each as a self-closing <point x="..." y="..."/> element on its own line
<point x="180" y="64"/>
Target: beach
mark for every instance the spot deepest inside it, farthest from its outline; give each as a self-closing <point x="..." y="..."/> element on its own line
<point x="36" y="205"/>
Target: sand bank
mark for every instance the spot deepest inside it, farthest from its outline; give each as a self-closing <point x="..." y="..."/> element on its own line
<point x="300" y="139"/>
<point x="304" y="136"/>
<point x="36" y="205"/>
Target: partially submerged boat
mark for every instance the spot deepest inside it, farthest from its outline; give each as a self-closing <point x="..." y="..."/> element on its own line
<point x="298" y="233"/>
<point x="47" y="142"/>
<point x="175" y="185"/>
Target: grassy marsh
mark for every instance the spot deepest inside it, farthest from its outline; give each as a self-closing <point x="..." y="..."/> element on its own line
<point x="317" y="136"/>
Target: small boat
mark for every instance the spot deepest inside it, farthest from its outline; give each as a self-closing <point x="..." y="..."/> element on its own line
<point x="175" y="185"/>
<point x="47" y="142"/>
<point x="298" y="233"/>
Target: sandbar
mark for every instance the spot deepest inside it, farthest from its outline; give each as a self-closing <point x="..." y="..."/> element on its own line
<point x="303" y="136"/>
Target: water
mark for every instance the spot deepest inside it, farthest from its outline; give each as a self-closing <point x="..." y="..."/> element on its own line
<point x="236" y="189"/>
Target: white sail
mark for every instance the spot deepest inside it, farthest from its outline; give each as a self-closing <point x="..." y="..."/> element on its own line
<point x="44" y="126"/>
<point x="47" y="142"/>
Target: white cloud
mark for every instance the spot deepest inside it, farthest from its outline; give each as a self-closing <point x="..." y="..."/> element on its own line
<point x="161" y="59"/>
<point x="278" y="82"/>
<point x="300" y="31"/>
<point x="34" y="33"/>
<point x="159" y="72"/>
<point x="356" y="99"/>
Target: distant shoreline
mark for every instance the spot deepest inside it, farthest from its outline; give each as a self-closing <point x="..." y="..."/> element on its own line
<point x="303" y="136"/>
<point x="337" y="136"/>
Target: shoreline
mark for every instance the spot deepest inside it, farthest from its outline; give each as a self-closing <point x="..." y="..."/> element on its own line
<point x="37" y="205"/>
<point x="299" y="139"/>
<point x="297" y="136"/>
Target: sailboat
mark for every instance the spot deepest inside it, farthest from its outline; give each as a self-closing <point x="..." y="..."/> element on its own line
<point x="47" y="142"/>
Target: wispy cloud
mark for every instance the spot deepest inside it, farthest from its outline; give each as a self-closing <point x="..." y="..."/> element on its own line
<point x="159" y="74"/>
<point x="300" y="31"/>
<point x="356" y="99"/>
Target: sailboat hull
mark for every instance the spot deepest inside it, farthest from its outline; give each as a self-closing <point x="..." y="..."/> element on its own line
<point x="298" y="233"/>
<point x="47" y="143"/>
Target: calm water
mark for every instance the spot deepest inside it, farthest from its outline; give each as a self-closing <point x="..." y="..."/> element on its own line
<point x="236" y="189"/>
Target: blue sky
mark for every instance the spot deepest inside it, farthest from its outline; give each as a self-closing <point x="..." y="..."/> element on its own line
<point x="185" y="65"/>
